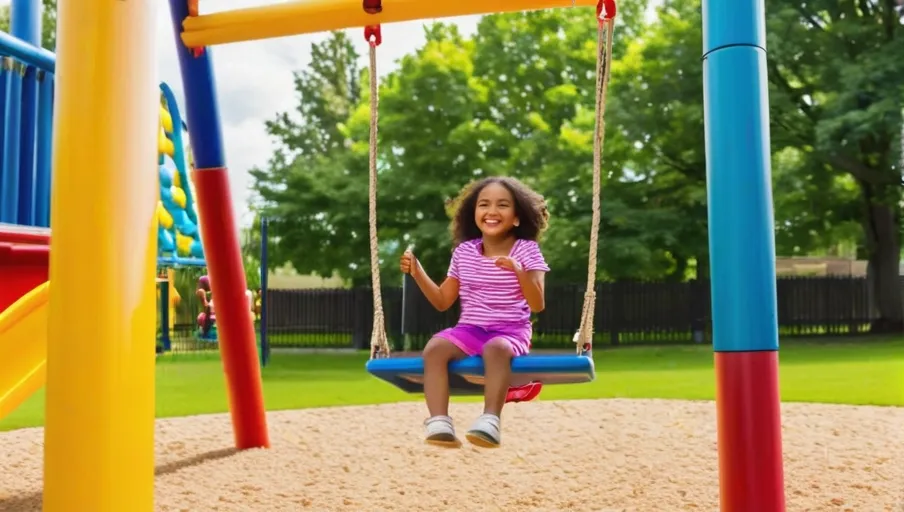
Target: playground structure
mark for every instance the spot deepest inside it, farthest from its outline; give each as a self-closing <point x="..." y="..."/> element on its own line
<point x="100" y="192"/>
<point x="99" y="451"/>
<point x="178" y="234"/>
<point x="178" y="231"/>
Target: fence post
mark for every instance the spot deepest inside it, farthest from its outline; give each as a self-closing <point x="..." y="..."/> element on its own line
<point x="615" y="301"/>
<point x="265" y="274"/>
<point x="165" y="341"/>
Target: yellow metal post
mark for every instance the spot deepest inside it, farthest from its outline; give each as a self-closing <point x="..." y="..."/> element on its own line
<point x="99" y="438"/>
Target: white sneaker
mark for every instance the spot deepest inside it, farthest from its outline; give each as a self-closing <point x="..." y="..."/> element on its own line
<point x="440" y="432"/>
<point x="486" y="431"/>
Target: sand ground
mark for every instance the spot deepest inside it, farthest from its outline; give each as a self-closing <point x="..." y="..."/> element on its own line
<point x="593" y="455"/>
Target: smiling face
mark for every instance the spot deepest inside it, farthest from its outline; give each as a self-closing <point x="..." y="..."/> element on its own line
<point x="495" y="212"/>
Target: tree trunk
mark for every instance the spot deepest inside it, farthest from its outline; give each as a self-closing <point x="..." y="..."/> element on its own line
<point x="883" y="242"/>
<point x="703" y="266"/>
<point x="679" y="273"/>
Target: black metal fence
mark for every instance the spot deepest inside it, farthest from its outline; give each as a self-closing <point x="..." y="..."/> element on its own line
<point x="184" y="333"/>
<point x="626" y="313"/>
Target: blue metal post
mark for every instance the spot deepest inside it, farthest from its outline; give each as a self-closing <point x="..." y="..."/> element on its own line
<point x="25" y="24"/>
<point x="164" y="315"/>
<point x="43" y="149"/>
<point x="265" y="275"/>
<point x="742" y="250"/>
<point x="25" y="21"/>
<point x="9" y="202"/>
<point x="4" y="83"/>
<point x="201" y="107"/>
<point x="27" y="148"/>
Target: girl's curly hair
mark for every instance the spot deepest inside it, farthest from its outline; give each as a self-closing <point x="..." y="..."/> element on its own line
<point x="530" y="207"/>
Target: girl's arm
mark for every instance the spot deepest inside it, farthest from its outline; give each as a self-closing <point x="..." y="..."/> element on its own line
<point x="531" y="272"/>
<point x="441" y="297"/>
<point x="533" y="284"/>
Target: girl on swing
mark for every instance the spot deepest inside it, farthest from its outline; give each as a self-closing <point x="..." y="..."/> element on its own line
<point x="208" y="315"/>
<point x="497" y="271"/>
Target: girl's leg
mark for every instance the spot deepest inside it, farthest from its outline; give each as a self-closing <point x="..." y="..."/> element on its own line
<point x="438" y="353"/>
<point x="497" y="362"/>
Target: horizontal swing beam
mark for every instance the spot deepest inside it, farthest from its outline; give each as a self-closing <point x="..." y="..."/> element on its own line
<point x="312" y="16"/>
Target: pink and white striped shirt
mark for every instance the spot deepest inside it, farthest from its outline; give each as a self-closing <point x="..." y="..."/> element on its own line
<point x="490" y="295"/>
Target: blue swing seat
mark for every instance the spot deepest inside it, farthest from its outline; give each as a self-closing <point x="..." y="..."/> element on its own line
<point x="466" y="375"/>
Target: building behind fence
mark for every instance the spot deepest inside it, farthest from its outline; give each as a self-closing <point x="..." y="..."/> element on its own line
<point x="626" y="313"/>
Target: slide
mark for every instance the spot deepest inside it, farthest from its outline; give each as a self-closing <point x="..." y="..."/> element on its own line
<point x="24" y="264"/>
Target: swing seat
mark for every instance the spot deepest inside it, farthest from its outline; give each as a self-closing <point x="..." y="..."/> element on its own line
<point x="466" y="375"/>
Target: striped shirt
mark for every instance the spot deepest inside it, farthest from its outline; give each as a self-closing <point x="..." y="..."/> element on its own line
<point x="490" y="295"/>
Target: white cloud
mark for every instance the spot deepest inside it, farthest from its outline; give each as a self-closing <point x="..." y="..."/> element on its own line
<point x="255" y="81"/>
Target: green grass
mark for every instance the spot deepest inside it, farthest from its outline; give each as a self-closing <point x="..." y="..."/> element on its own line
<point x="864" y="371"/>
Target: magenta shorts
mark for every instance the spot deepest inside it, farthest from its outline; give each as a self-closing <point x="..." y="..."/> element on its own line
<point x="471" y="338"/>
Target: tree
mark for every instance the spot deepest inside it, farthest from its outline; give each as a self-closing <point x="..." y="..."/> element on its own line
<point x="542" y="67"/>
<point x="320" y="213"/>
<point x="837" y="97"/>
<point x="659" y="110"/>
<point x="308" y="190"/>
<point x="48" y="23"/>
<point x="518" y="99"/>
<point x="251" y="253"/>
<point x="329" y="90"/>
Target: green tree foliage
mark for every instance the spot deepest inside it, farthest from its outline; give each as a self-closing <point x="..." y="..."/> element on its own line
<point x="313" y="189"/>
<point x="836" y="125"/>
<point x="659" y="111"/>
<point x="517" y="98"/>
<point x="456" y="110"/>
<point x="541" y="70"/>
<point x="837" y="98"/>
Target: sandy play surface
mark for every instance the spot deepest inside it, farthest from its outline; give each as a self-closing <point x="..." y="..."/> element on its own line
<point x="599" y="455"/>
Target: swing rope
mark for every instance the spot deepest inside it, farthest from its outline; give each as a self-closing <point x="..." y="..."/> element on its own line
<point x="584" y="336"/>
<point x="379" y="343"/>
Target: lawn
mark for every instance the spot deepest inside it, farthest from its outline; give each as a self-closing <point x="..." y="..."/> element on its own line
<point x="863" y="371"/>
